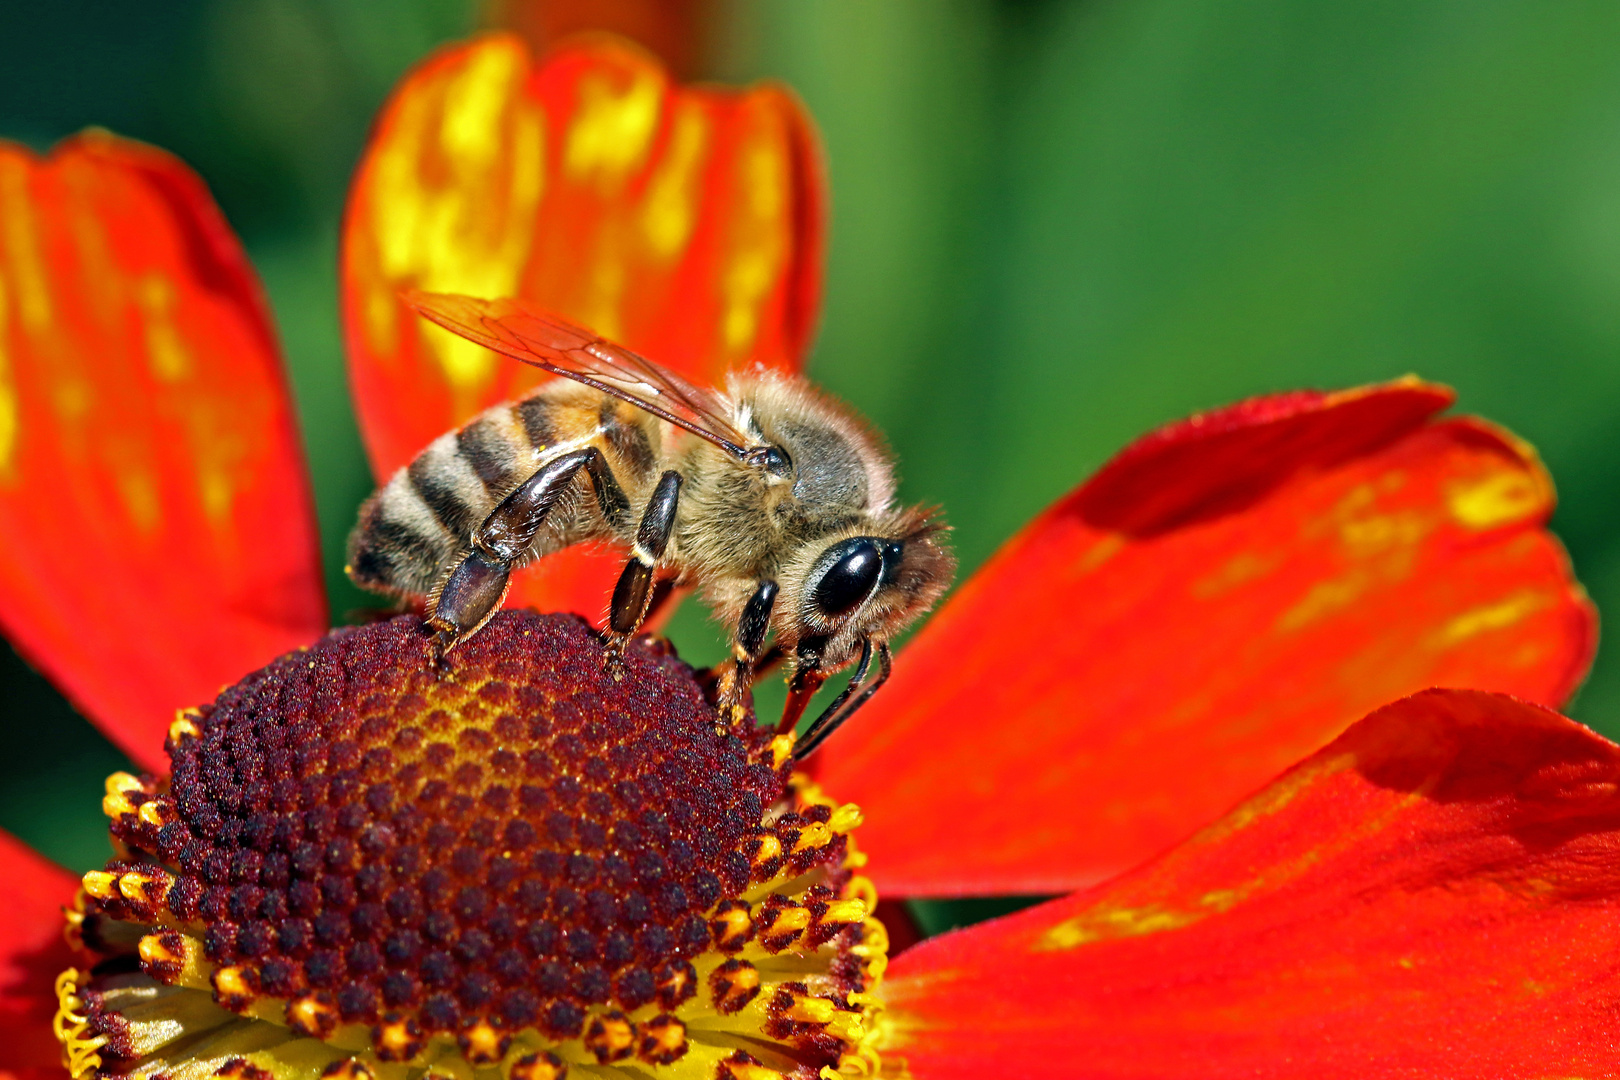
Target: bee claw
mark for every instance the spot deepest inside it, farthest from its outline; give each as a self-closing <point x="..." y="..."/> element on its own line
<point x="613" y="662"/>
<point x="441" y="638"/>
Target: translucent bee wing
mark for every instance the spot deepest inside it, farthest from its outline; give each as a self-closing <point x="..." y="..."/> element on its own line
<point x="553" y="344"/>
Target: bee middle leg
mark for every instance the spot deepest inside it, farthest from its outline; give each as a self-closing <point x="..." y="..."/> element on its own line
<point x="747" y="641"/>
<point x="633" y="594"/>
<point x="843" y="706"/>
<point x="473" y="589"/>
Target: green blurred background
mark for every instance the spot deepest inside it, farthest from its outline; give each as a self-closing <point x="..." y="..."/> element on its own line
<point x="1056" y="224"/>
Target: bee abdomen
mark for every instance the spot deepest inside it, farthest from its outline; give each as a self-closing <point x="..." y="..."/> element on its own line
<point x="417" y="523"/>
<point x="448" y="485"/>
<point x="399" y="544"/>
<point x="493" y="444"/>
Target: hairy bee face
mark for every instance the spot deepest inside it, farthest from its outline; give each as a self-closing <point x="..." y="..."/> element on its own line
<point x="866" y="585"/>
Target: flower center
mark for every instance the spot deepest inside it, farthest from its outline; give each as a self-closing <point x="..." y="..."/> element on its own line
<point x="370" y="864"/>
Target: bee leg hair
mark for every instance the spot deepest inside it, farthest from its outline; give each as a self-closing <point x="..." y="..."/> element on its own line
<point x="836" y="713"/>
<point x="769" y="660"/>
<point x="633" y="594"/>
<point x="747" y="641"/>
<point x="473" y="589"/>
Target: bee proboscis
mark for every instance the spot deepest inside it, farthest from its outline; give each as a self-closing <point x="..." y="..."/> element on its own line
<point x="773" y="500"/>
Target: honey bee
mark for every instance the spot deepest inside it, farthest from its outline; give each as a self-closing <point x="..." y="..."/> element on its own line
<point x="773" y="500"/>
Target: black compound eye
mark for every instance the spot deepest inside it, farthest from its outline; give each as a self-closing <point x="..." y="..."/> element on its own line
<point x="856" y="565"/>
<point x="894" y="553"/>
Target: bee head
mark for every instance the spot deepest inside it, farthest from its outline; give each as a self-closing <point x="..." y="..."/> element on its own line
<point x="869" y="584"/>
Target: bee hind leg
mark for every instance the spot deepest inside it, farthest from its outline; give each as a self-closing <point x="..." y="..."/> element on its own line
<point x="468" y="598"/>
<point x="472" y="591"/>
<point x="632" y="596"/>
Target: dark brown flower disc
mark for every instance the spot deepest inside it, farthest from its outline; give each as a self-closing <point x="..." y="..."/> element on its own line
<point x="499" y="855"/>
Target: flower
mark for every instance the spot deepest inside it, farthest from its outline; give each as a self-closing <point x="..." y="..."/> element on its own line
<point x="1431" y="890"/>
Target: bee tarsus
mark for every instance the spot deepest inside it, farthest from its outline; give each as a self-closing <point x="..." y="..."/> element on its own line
<point x="806" y="681"/>
<point x="737" y="677"/>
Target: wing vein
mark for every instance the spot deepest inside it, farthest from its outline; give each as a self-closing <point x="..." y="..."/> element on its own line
<point x="542" y="340"/>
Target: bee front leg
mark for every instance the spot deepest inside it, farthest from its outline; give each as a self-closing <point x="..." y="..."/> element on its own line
<point x="843" y="706"/>
<point x="747" y="642"/>
<point x="472" y="591"/>
<point x="633" y="593"/>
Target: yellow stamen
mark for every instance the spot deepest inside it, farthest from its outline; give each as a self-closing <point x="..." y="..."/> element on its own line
<point x="145" y="887"/>
<point x="788" y="924"/>
<point x="313" y="1015"/>
<point x="120" y="786"/>
<point x="100" y="884"/>
<point x="610" y="1037"/>
<point x="663" y="1041"/>
<point x="481" y="1044"/>
<point x="231" y="989"/>
<point x="844" y="911"/>
<point x="779" y="749"/>
<point x="732" y="927"/>
<point x="183" y="727"/>
<point x="541" y="1066"/>
<point x="156" y="814"/>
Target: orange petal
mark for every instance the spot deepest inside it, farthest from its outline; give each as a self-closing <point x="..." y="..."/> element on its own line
<point x="1436" y="894"/>
<point x="683" y="223"/>
<point x="32" y="954"/>
<point x="156" y="525"/>
<point x="1219" y="601"/>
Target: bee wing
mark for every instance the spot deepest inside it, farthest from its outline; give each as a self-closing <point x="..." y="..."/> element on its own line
<point x="562" y="348"/>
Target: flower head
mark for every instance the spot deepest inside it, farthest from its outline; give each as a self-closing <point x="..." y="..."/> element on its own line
<point x="364" y="856"/>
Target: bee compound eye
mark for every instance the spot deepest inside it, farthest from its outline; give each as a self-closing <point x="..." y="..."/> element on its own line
<point x="894" y="553"/>
<point x="853" y="568"/>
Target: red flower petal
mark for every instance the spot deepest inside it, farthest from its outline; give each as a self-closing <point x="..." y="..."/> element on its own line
<point x="683" y="223"/>
<point x="32" y="954"/>
<point x="1436" y="894"/>
<point x="157" y="526"/>
<point x="1219" y="601"/>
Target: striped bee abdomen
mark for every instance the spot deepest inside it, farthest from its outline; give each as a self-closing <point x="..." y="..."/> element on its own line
<point x="397" y="548"/>
<point x="417" y="524"/>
